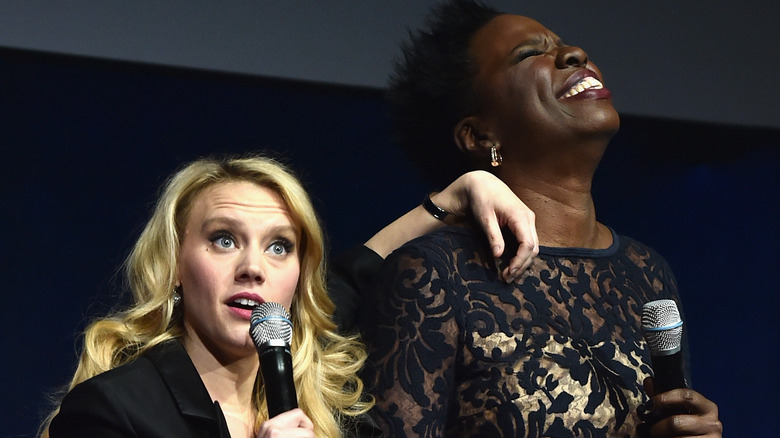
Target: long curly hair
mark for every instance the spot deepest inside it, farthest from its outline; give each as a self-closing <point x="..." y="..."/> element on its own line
<point x="324" y="362"/>
<point x="431" y="87"/>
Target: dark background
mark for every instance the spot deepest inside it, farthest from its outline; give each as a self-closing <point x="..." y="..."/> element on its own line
<point x="710" y="61"/>
<point x="86" y="143"/>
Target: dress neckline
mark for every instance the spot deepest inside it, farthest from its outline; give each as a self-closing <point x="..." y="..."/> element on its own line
<point x="583" y="252"/>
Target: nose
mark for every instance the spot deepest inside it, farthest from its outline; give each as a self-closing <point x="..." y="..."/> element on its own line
<point x="571" y="56"/>
<point x="251" y="267"/>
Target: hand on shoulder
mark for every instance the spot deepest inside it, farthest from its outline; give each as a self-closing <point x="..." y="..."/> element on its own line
<point x="494" y="206"/>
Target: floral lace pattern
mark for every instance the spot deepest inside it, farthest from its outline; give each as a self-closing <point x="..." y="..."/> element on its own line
<point x="457" y="352"/>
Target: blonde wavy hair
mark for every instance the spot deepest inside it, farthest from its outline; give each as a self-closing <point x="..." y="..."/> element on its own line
<point x="324" y="362"/>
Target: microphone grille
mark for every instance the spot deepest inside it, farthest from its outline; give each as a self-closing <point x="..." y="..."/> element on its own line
<point x="662" y="327"/>
<point x="270" y="322"/>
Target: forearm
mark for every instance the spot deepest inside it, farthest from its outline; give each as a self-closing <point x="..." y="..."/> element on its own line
<point x="413" y="224"/>
<point x="417" y="222"/>
<point x="484" y="198"/>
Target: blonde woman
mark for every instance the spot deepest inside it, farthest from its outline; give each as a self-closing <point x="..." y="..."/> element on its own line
<point x="179" y="361"/>
<point x="224" y="235"/>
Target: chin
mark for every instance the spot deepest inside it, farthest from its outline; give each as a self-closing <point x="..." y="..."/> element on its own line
<point x="604" y="122"/>
<point x="238" y="344"/>
<point x="240" y="352"/>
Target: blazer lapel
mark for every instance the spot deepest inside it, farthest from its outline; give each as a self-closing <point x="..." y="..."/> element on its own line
<point x="179" y="373"/>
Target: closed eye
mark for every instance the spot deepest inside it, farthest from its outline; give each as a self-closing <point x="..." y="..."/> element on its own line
<point x="524" y="54"/>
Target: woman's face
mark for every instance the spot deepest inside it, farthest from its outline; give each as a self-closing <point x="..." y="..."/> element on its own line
<point x="239" y="249"/>
<point x="532" y="86"/>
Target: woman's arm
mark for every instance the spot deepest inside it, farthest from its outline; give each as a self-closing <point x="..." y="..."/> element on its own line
<point x="411" y="329"/>
<point x="492" y="204"/>
<point x="481" y="194"/>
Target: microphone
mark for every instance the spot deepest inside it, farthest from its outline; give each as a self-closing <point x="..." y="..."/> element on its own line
<point x="662" y="329"/>
<point x="271" y="331"/>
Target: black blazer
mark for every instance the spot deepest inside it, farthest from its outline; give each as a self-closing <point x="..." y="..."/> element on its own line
<point x="160" y="394"/>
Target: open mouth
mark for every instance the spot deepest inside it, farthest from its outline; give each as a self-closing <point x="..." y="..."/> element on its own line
<point x="587" y="83"/>
<point x="244" y="303"/>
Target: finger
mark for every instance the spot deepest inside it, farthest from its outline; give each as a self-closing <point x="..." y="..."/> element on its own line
<point x="684" y="412"/>
<point x="305" y="423"/>
<point x="528" y="249"/>
<point x="649" y="385"/>
<point x="687" y="425"/>
<point x="492" y="229"/>
<point x="298" y="419"/>
<point x="524" y="230"/>
<point x="684" y="400"/>
<point x="519" y="263"/>
<point x="286" y="421"/>
<point x="286" y="433"/>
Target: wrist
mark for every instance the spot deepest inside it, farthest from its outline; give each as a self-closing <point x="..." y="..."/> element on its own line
<point x="438" y="211"/>
<point x="457" y="197"/>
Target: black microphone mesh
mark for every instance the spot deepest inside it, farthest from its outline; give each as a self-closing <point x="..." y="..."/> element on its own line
<point x="662" y="326"/>
<point x="270" y="322"/>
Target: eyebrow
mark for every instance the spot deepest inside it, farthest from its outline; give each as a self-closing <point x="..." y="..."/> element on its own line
<point x="230" y="222"/>
<point x="219" y="221"/>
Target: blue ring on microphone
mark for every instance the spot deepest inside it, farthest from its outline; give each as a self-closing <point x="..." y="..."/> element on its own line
<point x="658" y="329"/>
<point x="266" y="318"/>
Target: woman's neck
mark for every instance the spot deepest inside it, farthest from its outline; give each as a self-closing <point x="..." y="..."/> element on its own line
<point x="230" y="382"/>
<point x="564" y="209"/>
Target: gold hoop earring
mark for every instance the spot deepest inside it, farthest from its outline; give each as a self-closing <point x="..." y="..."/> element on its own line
<point x="495" y="156"/>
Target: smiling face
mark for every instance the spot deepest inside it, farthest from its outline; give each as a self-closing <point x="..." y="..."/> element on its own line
<point x="239" y="248"/>
<point x="533" y="88"/>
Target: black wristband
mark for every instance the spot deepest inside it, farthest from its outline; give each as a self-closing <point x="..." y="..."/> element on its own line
<point x="435" y="211"/>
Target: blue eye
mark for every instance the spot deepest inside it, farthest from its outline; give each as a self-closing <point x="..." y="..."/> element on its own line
<point x="223" y="240"/>
<point x="281" y="247"/>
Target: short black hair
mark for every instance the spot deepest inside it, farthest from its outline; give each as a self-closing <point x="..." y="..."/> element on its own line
<point x="431" y="87"/>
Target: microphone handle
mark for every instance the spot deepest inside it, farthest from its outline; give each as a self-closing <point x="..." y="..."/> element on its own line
<point x="276" y="366"/>
<point x="668" y="372"/>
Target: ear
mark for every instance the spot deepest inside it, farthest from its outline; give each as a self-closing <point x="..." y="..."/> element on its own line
<point x="471" y="137"/>
<point x="177" y="276"/>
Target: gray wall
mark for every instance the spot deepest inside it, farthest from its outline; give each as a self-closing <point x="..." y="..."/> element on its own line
<point x="704" y="60"/>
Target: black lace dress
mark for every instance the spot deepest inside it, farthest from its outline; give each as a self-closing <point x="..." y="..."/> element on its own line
<point x="455" y="351"/>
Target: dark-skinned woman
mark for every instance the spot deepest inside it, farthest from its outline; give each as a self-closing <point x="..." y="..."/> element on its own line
<point x="455" y="350"/>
